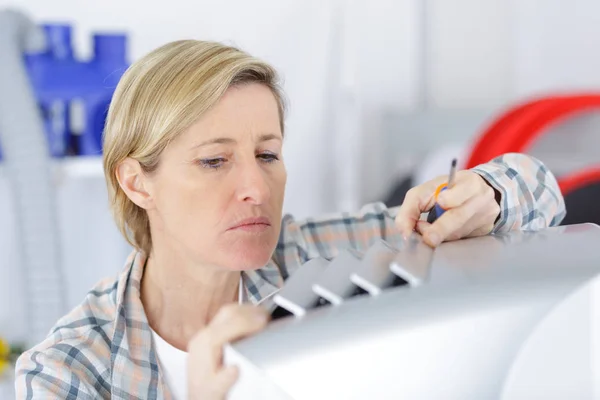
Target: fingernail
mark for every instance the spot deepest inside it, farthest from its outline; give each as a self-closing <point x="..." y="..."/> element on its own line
<point x="434" y="239"/>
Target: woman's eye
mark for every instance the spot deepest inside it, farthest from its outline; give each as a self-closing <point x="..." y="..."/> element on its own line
<point x="212" y="163"/>
<point x="268" y="157"/>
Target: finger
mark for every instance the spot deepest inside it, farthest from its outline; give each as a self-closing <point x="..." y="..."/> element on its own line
<point x="422" y="227"/>
<point x="453" y="220"/>
<point x="479" y="225"/>
<point x="480" y="231"/>
<point x="487" y="219"/>
<point x="467" y="229"/>
<point x="201" y="359"/>
<point x="223" y="381"/>
<point x="215" y="387"/>
<point x="429" y="236"/>
<point x="483" y="228"/>
<point x="234" y="322"/>
<point x="416" y="201"/>
<point x="465" y="188"/>
<point x="231" y="323"/>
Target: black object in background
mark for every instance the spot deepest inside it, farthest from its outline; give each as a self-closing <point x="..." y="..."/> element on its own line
<point x="583" y="205"/>
<point x="398" y="192"/>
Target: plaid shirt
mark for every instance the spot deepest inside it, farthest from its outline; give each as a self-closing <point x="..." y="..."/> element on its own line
<point x="104" y="349"/>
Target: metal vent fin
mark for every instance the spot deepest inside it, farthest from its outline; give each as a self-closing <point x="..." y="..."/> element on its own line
<point x="320" y="282"/>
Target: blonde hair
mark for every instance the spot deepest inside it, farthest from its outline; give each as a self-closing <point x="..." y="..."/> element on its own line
<point x="159" y="97"/>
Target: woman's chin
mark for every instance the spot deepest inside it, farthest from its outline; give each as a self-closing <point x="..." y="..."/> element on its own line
<point x="248" y="257"/>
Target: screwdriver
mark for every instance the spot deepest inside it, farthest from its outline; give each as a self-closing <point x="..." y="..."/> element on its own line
<point x="437" y="210"/>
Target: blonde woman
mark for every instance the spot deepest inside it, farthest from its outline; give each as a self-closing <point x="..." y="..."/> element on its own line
<point x="196" y="178"/>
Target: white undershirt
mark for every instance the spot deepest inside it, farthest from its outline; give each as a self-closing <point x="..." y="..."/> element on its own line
<point x="173" y="361"/>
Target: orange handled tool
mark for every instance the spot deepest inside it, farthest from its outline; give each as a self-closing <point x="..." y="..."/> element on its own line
<point x="437" y="210"/>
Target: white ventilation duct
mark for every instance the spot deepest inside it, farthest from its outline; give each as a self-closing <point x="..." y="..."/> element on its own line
<point x="28" y="168"/>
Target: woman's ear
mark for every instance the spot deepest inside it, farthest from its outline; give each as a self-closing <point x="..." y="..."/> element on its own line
<point x="132" y="180"/>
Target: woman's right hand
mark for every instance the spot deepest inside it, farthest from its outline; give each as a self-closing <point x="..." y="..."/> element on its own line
<point x="208" y="379"/>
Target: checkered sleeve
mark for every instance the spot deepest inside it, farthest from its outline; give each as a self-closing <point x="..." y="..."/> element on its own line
<point x="65" y="369"/>
<point x="327" y="235"/>
<point x="530" y="200"/>
<point x="73" y="361"/>
<point x="530" y="196"/>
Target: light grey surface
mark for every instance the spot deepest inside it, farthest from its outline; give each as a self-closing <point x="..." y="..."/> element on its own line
<point x="296" y="296"/>
<point x="413" y="262"/>
<point x="373" y="274"/>
<point x="480" y="303"/>
<point x="334" y="283"/>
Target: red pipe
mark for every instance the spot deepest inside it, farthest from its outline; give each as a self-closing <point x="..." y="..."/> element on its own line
<point x="579" y="179"/>
<point x="517" y="128"/>
<point x="484" y="148"/>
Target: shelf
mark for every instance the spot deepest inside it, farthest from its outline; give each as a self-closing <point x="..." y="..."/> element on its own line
<point x="74" y="167"/>
<point x="80" y="167"/>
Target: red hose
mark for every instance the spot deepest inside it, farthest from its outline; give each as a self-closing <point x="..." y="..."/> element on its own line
<point x="517" y="128"/>
<point x="580" y="179"/>
<point x="484" y="147"/>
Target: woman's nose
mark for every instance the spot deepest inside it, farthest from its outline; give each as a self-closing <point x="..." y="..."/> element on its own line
<point x="253" y="186"/>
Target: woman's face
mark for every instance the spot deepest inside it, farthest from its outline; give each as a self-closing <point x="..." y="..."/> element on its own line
<point x="217" y="194"/>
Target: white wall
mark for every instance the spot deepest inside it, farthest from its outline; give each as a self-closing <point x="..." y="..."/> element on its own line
<point x="556" y="46"/>
<point x="468" y="55"/>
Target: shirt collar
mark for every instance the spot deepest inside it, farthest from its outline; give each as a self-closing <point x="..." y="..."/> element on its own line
<point x="132" y="343"/>
<point x="258" y="284"/>
<point x="262" y="283"/>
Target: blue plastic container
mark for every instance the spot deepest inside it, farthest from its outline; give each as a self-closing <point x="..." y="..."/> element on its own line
<point x="74" y="95"/>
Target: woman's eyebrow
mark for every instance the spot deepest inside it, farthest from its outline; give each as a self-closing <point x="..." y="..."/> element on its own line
<point x="268" y="136"/>
<point x="214" y="141"/>
<point x="224" y="140"/>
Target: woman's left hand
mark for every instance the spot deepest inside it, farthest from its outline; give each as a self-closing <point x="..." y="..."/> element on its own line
<point x="471" y="209"/>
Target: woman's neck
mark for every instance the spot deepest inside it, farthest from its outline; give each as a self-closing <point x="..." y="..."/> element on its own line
<point x="180" y="298"/>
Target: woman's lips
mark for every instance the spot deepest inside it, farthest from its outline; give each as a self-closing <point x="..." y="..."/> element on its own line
<point x="253" y="224"/>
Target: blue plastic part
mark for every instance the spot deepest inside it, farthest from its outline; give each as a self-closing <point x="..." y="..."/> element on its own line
<point x="436" y="211"/>
<point x="59" y="80"/>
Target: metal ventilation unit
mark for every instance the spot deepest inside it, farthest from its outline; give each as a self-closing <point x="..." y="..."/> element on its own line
<point x="408" y="322"/>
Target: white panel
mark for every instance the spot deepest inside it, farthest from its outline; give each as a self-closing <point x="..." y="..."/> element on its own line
<point x="470" y="55"/>
<point x="557" y="46"/>
<point x="556" y="358"/>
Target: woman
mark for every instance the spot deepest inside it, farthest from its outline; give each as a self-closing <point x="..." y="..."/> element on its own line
<point x="196" y="180"/>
